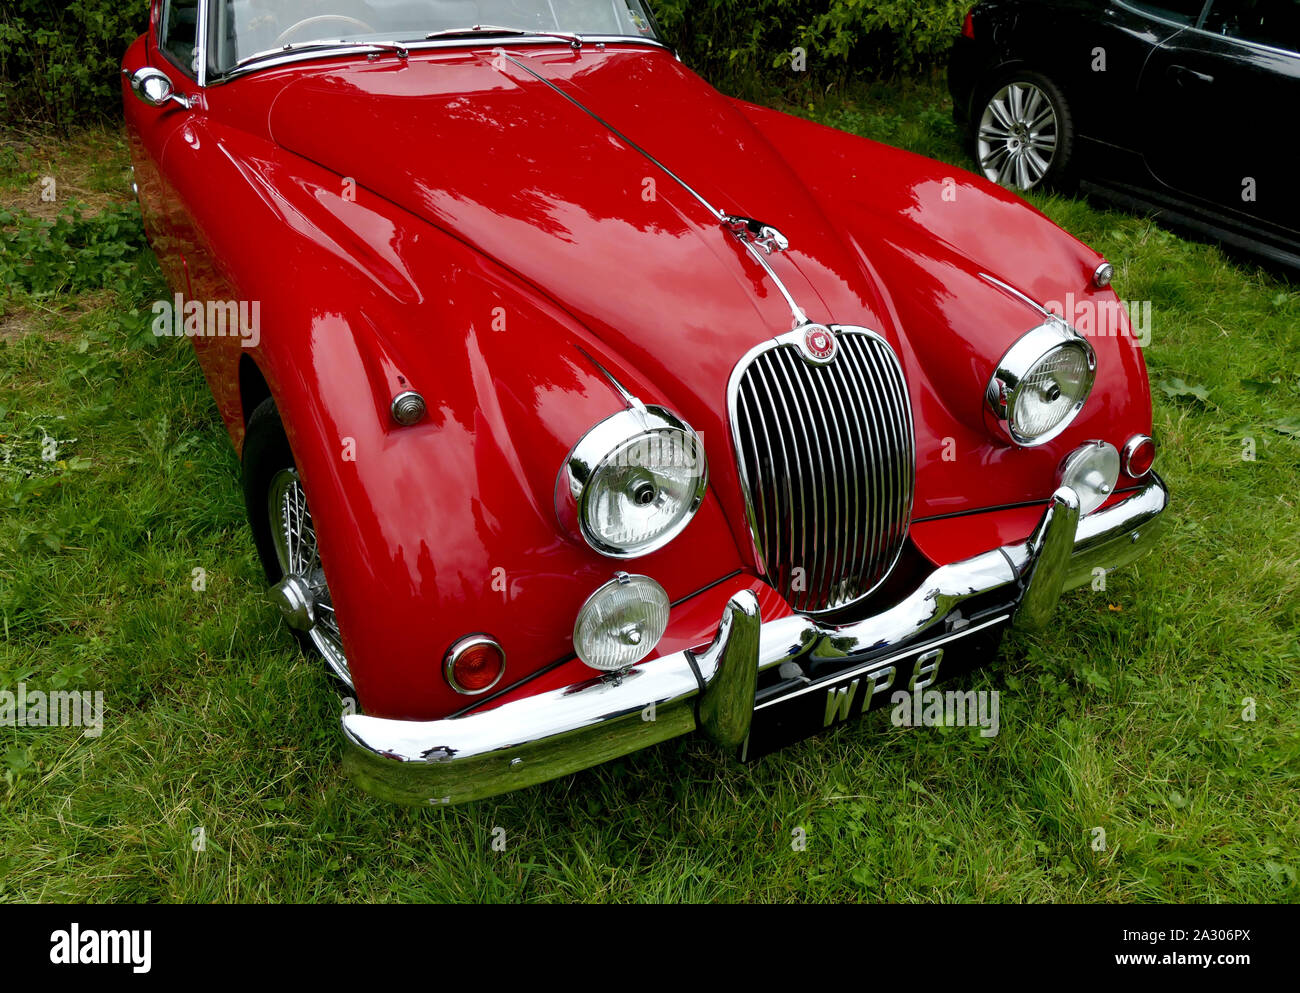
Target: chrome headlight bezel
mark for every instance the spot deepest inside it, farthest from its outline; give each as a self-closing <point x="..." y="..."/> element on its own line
<point x="1022" y="358"/>
<point x="594" y="451"/>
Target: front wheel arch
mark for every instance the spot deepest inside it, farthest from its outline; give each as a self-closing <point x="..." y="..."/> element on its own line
<point x="267" y="462"/>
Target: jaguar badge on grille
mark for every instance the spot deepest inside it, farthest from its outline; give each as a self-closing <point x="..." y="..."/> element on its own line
<point x="818" y="343"/>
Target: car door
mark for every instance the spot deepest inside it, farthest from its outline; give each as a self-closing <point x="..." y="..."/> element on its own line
<point x="1221" y="99"/>
<point x="153" y="130"/>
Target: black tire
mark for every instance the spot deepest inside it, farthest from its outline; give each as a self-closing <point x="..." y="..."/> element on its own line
<point x="1059" y="174"/>
<point x="267" y="455"/>
<point x="266" y="452"/>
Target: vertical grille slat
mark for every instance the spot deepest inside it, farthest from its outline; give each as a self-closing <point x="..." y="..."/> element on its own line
<point x="827" y="459"/>
<point x="876" y="432"/>
<point x="854" y="442"/>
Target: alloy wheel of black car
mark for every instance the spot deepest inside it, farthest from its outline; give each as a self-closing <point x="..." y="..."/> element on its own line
<point x="1024" y="136"/>
<point x="286" y="539"/>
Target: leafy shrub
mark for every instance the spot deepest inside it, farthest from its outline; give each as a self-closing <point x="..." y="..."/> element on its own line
<point x="72" y="253"/>
<point x="59" y="62"/>
<point x="739" y="43"/>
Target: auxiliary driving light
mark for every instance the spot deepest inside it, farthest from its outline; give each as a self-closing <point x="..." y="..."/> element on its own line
<point x="621" y="623"/>
<point x="1091" y="470"/>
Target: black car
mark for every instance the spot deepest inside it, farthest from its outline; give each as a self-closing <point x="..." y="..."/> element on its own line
<point x="1185" y="108"/>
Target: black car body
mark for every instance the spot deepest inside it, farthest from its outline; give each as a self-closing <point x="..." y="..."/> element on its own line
<point x="1185" y="108"/>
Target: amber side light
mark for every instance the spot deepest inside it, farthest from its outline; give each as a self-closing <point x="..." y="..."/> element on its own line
<point x="474" y="664"/>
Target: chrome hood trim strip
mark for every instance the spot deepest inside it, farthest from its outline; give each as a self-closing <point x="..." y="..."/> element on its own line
<point x="727" y="221"/>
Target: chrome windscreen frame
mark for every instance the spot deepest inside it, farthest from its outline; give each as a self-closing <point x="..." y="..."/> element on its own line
<point x="289" y="58"/>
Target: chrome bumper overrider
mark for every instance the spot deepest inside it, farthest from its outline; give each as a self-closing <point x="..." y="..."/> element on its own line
<point x="564" y="730"/>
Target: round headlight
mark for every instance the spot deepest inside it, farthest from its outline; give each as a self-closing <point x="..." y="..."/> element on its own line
<point x="1042" y="383"/>
<point x="1091" y="470"/>
<point x="621" y="623"/>
<point x="633" y="482"/>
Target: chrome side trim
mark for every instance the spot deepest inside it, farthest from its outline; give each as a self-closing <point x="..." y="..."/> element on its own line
<point x="629" y="399"/>
<point x="1024" y="298"/>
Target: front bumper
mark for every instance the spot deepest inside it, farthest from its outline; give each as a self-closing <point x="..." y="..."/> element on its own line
<point x="565" y="730"/>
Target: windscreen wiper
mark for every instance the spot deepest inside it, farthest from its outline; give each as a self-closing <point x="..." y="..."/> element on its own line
<point x="496" y="29"/>
<point x="400" y="50"/>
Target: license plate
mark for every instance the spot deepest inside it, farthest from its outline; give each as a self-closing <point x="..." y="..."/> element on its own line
<point x="831" y="701"/>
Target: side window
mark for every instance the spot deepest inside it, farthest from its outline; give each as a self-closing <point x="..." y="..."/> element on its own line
<point x="1269" y="22"/>
<point x="1179" y="11"/>
<point x="177" y="33"/>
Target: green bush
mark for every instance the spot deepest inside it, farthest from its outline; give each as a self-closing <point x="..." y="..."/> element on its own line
<point x="747" y="45"/>
<point x="59" y="62"/>
<point x="72" y="253"/>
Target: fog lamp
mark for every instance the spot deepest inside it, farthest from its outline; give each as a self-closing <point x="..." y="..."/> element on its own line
<point x="621" y="623"/>
<point x="1091" y="470"/>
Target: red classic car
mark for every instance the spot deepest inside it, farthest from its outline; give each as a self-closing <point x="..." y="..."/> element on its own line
<point x="621" y="408"/>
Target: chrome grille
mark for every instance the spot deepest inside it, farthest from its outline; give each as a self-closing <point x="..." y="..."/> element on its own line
<point x="827" y="459"/>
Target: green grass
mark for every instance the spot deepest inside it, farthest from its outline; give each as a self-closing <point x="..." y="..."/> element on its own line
<point x="1126" y="716"/>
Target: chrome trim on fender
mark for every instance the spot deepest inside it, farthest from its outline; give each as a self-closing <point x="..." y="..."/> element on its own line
<point x="564" y="730"/>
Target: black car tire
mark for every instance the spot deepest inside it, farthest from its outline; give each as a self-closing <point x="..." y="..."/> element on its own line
<point x="1017" y="146"/>
<point x="269" y="468"/>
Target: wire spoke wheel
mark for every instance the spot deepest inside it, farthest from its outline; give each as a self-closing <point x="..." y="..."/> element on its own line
<point x="302" y="593"/>
<point x="1018" y="136"/>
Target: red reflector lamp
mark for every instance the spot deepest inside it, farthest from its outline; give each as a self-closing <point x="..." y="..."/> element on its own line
<point x="1139" y="455"/>
<point x="474" y="664"/>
